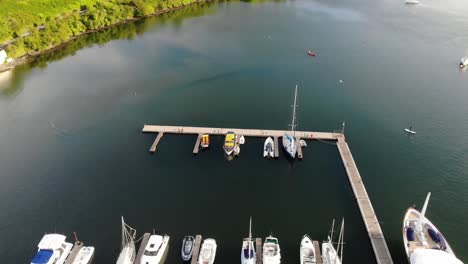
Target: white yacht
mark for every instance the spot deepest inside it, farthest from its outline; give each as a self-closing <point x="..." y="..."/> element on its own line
<point x="52" y="249"/>
<point x="207" y="251"/>
<point x="84" y="256"/>
<point x="248" y="255"/>
<point x="271" y="251"/>
<point x="307" y="251"/>
<point x="269" y="148"/>
<point x="329" y="254"/>
<point x="155" y="250"/>
<point x="127" y="253"/>
<point x="424" y="243"/>
<point x="289" y="140"/>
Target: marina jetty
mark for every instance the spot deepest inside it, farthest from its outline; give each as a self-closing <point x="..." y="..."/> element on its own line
<point x="375" y="233"/>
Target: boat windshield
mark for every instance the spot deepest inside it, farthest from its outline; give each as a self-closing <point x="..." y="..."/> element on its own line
<point x="42" y="256"/>
<point x="150" y="253"/>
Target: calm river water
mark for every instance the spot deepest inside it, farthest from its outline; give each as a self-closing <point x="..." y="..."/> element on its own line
<point x="73" y="158"/>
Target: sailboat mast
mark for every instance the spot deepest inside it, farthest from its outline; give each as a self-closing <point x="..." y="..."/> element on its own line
<point x="123" y="232"/>
<point x="331" y="232"/>
<point x="342" y="240"/>
<point x="293" y="125"/>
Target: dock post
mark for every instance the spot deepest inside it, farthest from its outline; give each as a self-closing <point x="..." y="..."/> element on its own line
<point x="258" y="249"/>
<point x="156" y="141"/>
<point x="197" y="145"/>
<point x="299" y="148"/>
<point x="318" y="255"/>
<point x="196" y="249"/>
<point x="74" y="252"/>
<point x="276" y="148"/>
<point x="141" y="250"/>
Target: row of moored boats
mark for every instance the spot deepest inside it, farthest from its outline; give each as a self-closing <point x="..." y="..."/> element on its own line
<point x="423" y="242"/>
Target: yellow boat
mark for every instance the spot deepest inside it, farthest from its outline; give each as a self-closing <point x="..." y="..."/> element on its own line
<point x="229" y="143"/>
<point x="205" y="141"/>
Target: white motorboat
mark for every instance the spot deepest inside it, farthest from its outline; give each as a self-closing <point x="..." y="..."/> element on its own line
<point x="271" y="251"/>
<point x="269" y="148"/>
<point x="329" y="254"/>
<point x="464" y="62"/>
<point x="207" y="251"/>
<point x="242" y="140"/>
<point x="248" y="255"/>
<point x="84" y="256"/>
<point x="289" y="140"/>
<point x="52" y="249"/>
<point x="303" y="143"/>
<point x="229" y="143"/>
<point x="410" y="130"/>
<point x="412" y="2"/>
<point x="155" y="249"/>
<point x="424" y="243"/>
<point x="127" y="254"/>
<point x="307" y="251"/>
<point x="237" y="150"/>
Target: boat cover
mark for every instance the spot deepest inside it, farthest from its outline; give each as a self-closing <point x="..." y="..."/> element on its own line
<point x="42" y="257"/>
<point x="433" y="256"/>
<point x="434" y="235"/>
<point x="410" y="234"/>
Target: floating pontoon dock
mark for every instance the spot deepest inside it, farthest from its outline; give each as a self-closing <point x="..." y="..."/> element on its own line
<point x="377" y="239"/>
<point x="259" y="250"/>
<point x="196" y="249"/>
<point x="318" y="255"/>
<point x="141" y="250"/>
<point x="73" y="253"/>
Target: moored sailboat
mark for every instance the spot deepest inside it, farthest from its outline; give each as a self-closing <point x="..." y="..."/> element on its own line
<point x="289" y="140"/>
<point x="127" y="254"/>
<point x="248" y="255"/>
<point x="424" y="243"/>
<point x="330" y="255"/>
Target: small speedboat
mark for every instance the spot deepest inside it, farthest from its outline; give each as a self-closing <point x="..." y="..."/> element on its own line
<point x="303" y="143"/>
<point x="52" y="249"/>
<point x="237" y="150"/>
<point x="207" y="251"/>
<point x="269" y="148"/>
<point x="310" y="53"/>
<point x="412" y="2"/>
<point x="307" y="251"/>
<point x="205" y="141"/>
<point x="229" y="143"/>
<point x="242" y="140"/>
<point x="410" y="130"/>
<point x="187" y="247"/>
<point x="155" y="249"/>
<point x="464" y="62"/>
<point x="423" y="242"/>
<point x="84" y="256"/>
<point x="271" y="251"/>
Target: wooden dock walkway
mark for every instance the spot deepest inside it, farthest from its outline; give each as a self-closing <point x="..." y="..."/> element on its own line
<point x="141" y="250"/>
<point x="318" y="255"/>
<point x="196" y="249"/>
<point x="382" y="254"/>
<point x="259" y="250"/>
<point x="74" y="252"/>
<point x="371" y="222"/>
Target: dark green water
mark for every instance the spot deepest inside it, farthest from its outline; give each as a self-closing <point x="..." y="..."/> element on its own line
<point x="72" y="156"/>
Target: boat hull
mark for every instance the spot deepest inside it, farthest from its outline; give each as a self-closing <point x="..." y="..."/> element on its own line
<point x="187" y="248"/>
<point x="289" y="146"/>
<point x="412" y="237"/>
<point x="307" y="251"/>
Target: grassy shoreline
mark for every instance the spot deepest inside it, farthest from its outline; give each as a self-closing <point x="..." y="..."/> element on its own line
<point x="67" y="27"/>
